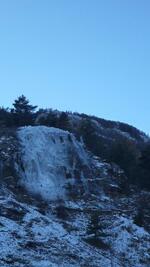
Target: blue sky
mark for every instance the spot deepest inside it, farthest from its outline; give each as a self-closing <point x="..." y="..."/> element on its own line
<point x="90" y="56"/>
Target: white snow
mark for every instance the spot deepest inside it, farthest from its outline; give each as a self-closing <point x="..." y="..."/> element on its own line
<point x="127" y="239"/>
<point x="46" y="154"/>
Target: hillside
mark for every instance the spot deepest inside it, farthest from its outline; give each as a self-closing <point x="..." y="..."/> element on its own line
<point x="74" y="191"/>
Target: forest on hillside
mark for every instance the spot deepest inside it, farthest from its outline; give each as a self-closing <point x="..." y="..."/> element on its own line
<point x="114" y="142"/>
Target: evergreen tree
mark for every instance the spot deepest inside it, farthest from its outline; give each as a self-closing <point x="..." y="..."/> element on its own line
<point x="51" y="119"/>
<point x="22" y="106"/>
<point x="145" y="158"/>
<point x="63" y="122"/>
<point x="95" y="230"/>
<point x="86" y="130"/>
<point x="23" y="112"/>
<point x="125" y="154"/>
<point x="91" y="139"/>
<point x="144" y="168"/>
<point x="6" y="118"/>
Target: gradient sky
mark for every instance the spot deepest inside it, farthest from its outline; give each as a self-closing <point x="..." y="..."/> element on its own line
<point x="90" y="56"/>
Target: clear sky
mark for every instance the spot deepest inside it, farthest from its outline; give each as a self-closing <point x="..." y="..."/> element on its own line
<point x="90" y="56"/>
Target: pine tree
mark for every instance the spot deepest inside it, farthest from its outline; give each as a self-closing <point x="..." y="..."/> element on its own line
<point x="95" y="230"/>
<point x="21" y="105"/>
<point x="6" y="118"/>
<point x="51" y="119"/>
<point x="23" y="112"/>
<point x="63" y="122"/>
<point x="145" y="158"/>
<point x="144" y="168"/>
<point x="125" y="154"/>
<point x="90" y="137"/>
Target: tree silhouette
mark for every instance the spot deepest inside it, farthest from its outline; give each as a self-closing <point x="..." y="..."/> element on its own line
<point x="23" y="112"/>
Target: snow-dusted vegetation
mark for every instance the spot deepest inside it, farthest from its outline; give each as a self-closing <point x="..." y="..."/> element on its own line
<point x="62" y="203"/>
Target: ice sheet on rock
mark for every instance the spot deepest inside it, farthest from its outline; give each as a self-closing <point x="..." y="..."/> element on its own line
<point x="47" y="155"/>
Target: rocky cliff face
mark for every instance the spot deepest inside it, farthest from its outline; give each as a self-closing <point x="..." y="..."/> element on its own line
<point x="63" y="206"/>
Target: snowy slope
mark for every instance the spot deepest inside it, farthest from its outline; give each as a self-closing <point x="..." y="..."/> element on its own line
<point x="96" y="229"/>
<point x="32" y="235"/>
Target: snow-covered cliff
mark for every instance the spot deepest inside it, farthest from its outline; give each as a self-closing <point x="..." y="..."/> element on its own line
<point x="52" y="159"/>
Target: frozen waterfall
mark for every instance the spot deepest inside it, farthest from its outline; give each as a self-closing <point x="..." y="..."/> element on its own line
<point x="49" y="158"/>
